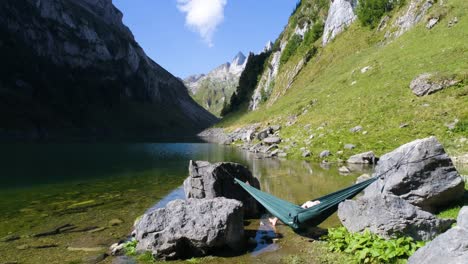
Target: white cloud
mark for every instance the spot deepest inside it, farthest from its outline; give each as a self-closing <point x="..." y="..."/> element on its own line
<point x="203" y="16"/>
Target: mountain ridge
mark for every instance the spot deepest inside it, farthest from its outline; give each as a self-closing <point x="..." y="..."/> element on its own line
<point x="213" y="89"/>
<point x="74" y="70"/>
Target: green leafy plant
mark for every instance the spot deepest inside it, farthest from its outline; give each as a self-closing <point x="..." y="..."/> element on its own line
<point x="370" y="248"/>
<point x="130" y="247"/>
<point x="314" y="33"/>
<point x="369" y="12"/>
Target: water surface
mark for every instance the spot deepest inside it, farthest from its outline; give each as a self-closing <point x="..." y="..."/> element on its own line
<point x="92" y="186"/>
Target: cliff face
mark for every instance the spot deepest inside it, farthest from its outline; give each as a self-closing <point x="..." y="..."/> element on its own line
<point x="72" y="68"/>
<point x="214" y="89"/>
<point x="340" y="16"/>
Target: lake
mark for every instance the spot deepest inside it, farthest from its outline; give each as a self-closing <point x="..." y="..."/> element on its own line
<point x="98" y="190"/>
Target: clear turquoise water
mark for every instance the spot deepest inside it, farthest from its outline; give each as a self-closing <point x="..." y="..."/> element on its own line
<point x="43" y="186"/>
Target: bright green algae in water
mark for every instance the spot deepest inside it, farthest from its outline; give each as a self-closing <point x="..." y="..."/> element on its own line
<point x="88" y="185"/>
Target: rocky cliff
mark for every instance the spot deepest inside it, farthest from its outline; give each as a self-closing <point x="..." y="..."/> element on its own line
<point x="214" y="89"/>
<point x="72" y="68"/>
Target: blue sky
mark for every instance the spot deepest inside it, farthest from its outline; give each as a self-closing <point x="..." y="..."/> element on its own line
<point x="194" y="36"/>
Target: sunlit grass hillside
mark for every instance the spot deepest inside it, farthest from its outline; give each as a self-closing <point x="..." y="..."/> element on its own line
<point x="333" y="95"/>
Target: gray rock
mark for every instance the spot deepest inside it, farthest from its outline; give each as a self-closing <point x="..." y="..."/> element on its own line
<point x="355" y="129"/>
<point x="462" y="219"/>
<point x="450" y="247"/>
<point x="390" y="216"/>
<point x="274" y="153"/>
<point x="270" y="148"/>
<point x="363" y="158"/>
<point x="248" y="135"/>
<point x="264" y="133"/>
<point x="117" y="249"/>
<point x="366" y="69"/>
<point x="424" y="84"/>
<point x="216" y="135"/>
<point x="452" y="125"/>
<point x="282" y="155"/>
<point x="432" y="22"/>
<point x="362" y="178"/>
<point x="306" y="154"/>
<point x="349" y="146"/>
<point x="191" y="228"/>
<point x="452" y="22"/>
<point x="272" y="140"/>
<point x="275" y="128"/>
<point x="344" y="170"/>
<point x="207" y="180"/>
<point x="324" y="154"/>
<point x="419" y="172"/>
<point x="340" y="15"/>
<point x="403" y="125"/>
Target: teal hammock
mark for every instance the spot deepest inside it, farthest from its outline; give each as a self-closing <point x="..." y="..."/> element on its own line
<point x="297" y="217"/>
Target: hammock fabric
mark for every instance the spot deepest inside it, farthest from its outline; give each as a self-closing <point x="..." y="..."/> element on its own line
<point x="297" y="217"/>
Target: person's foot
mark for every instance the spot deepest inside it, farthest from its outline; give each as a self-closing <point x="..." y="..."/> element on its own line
<point x="273" y="221"/>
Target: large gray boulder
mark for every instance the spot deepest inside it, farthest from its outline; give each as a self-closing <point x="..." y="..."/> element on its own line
<point x="191" y="228"/>
<point x="390" y="216"/>
<point x="207" y="180"/>
<point x="419" y="172"/>
<point x="450" y="247"/>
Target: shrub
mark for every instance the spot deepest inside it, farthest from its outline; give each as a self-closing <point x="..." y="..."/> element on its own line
<point x="314" y="33"/>
<point x="369" y="12"/>
<point x="370" y="248"/>
<point x="290" y="48"/>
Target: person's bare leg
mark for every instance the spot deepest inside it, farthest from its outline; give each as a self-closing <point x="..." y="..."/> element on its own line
<point x="273" y="220"/>
<point x="309" y="204"/>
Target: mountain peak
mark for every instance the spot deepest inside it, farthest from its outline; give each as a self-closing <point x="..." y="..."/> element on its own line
<point x="239" y="59"/>
<point x="268" y="46"/>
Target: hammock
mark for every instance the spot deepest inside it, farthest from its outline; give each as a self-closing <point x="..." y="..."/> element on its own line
<point x="297" y="217"/>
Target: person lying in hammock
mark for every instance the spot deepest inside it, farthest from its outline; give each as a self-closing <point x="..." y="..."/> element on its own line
<point x="307" y="204"/>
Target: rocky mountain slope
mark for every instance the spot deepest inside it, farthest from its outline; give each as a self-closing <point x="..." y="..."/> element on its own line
<point x="214" y="89"/>
<point x="347" y="72"/>
<point x="71" y="68"/>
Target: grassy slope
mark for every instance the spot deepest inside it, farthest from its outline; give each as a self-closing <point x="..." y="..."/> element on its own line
<point x="380" y="100"/>
<point x="211" y="93"/>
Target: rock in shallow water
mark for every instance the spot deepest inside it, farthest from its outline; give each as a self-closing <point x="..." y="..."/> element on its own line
<point x="210" y="180"/>
<point x="191" y="228"/>
<point x="363" y="158"/>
